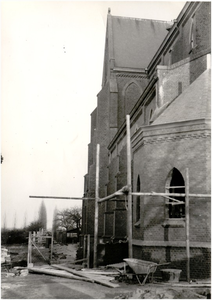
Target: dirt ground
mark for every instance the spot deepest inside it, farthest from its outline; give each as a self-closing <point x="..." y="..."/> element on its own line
<point x="36" y="286"/>
<point x="39" y="286"/>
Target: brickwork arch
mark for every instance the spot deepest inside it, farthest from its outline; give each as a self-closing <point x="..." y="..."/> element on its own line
<point x="131" y="93"/>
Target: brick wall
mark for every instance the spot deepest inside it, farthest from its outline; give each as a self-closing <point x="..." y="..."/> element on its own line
<point x="199" y="261"/>
<point x="203" y="27"/>
<point x="181" y="47"/>
<point x="169" y="80"/>
<point x="161" y="156"/>
<point x="197" y="67"/>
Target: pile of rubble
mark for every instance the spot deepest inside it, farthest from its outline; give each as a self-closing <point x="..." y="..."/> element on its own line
<point x="168" y="293"/>
<point x="5" y="257"/>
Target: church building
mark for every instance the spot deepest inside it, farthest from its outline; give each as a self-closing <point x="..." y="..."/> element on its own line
<point x="158" y="73"/>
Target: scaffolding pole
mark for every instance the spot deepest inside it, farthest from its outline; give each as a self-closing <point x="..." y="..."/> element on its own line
<point x="187" y="222"/>
<point x="170" y="194"/>
<point x="63" y="198"/>
<point x="129" y="184"/>
<point x="109" y="197"/>
<point x="96" y="208"/>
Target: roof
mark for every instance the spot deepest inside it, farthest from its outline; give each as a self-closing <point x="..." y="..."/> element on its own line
<point x="192" y="104"/>
<point x="135" y="41"/>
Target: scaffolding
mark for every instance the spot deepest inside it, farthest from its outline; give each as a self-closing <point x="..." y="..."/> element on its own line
<point x="127" y="191"/>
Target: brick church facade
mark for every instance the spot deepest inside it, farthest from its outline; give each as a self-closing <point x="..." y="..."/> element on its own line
<point x="158" y="73"/>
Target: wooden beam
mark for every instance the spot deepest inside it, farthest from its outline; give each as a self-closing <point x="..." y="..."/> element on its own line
<point x="58" y="273"/>
<point x="96" y="225"/>
<point x="88" y="250"/>
<point x="84" y="250"/>
<point x="109" y="197"/>
<point x="187" y="225"/>
<point x="29" y="255"/>
<point x="65" y="198"/>
<point x="80" y="260"/>
<point x="97" y="278"/>
<point x="52" y="244"/>
<point x="129" y="196"/>
<point x="170" y="194"/>
<point x="39" y="251"/>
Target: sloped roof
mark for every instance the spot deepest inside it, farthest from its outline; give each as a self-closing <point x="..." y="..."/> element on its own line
<point x="192" y="104"/>
<point x="135" y="41"/>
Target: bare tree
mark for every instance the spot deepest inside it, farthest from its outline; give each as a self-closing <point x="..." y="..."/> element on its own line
<point x="69" y="218"/>
<point x="76" y="215"/>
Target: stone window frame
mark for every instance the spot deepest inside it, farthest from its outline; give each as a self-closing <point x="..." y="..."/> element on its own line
<point x="175" y="222"/>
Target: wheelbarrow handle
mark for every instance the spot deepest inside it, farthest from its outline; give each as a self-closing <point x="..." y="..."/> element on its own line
<point x="163" y="264"/>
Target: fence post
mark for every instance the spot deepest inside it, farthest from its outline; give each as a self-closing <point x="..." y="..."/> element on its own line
<point x="29" y="255"/>
<point x="187" y="224"/>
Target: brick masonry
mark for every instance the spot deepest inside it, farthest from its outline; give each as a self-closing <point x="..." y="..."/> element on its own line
<point x="156" y="150"/>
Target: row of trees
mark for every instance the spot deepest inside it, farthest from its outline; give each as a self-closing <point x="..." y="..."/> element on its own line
<point x="66" y="219"/>
<point x="63" y="220"/>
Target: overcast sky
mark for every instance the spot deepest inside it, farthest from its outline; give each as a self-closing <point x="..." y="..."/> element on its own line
<point x="51" y="71"/>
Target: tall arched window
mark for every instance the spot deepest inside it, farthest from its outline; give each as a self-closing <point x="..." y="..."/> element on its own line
<point x="192" y="35"/>
<point x="132" y="92"/>
<point x="176" y="185"/>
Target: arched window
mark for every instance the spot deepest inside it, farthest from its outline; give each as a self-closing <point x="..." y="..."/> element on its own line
<point x="138" y="201"/>
<point x="176" y="185"/>
<point x="192" y="35"/>
<point x="131" y="92"/>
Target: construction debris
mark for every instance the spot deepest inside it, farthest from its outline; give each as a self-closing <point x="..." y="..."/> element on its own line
<point x="53" y="272"/>
<point x="97" y="278"/>
<point x="164" y="293"/>
<point x="5" y="257"/>
<point x="100" y="272"/>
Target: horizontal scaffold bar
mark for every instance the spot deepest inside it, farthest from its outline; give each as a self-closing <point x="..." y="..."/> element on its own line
<point x="65" y="198"/>
<point x="124" y="191"/>
<point x="170" y="194"/>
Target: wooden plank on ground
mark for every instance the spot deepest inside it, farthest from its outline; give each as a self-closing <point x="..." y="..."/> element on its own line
<point x="100" y="272"/>
<point x="96" y="278"/>
<point x="69" y="270"/>
<point x="53" y="272"/>
<point x="190" y="285"/>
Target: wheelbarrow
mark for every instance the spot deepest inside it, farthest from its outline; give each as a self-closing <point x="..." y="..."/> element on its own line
<point x="143" y="267"/>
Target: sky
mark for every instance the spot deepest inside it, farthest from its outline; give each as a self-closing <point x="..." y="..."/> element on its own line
<point x="51" y="71"/>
